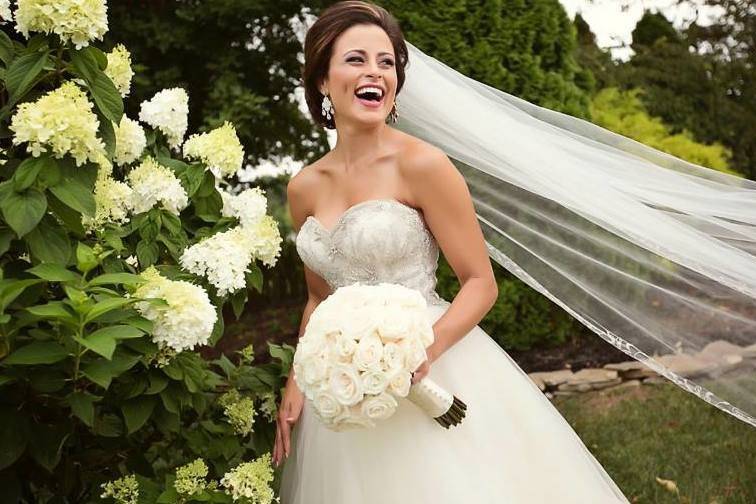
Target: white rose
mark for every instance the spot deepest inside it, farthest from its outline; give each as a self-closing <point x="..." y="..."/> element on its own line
<point x="414" y="353"/>
<point x="423" y="329"/>
<point x="361" y="324"/>
<point x="368" y="353"/>
<point x="395" y="324"/>
<point x="374" y="381"/>
<point x="393" y="356"/>
<point x="400" y="383"/>
<point x="343" y="348"/>
<point x="326" y="404"/>
<point x="379" y="407"/>
<point x="314" y="370"/>
<point x="345" y="384"/>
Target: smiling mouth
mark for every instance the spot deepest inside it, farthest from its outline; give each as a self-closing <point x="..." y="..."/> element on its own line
<point x="371" y="98"/>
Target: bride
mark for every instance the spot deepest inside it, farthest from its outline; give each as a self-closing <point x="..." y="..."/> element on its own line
<point x="652" y="253"/>
<point x="377" y="208"/>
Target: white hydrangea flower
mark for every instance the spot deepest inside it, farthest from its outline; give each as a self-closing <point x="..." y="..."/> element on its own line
<point x="119" y="69"/>
<point x="240" y="411"/>
<point x="249" y="206"/>
<point x="79" y="21"/>
<point x="223" y="258"/>
<point x="264" y="240"/>
<point x="188" y="318"/>
<point x="153" y="183"/>
<point x="167" y="111"/>
<point x="190" y="478"/>
<point x="219" y="149"/>
<point x="130" y="141"/>
<point x="251" y="480"/>
<point x="5" y="12"/>
<point x="123" y="490"/>
<point x="62" y="122"/>
<point x="113" y="200"/>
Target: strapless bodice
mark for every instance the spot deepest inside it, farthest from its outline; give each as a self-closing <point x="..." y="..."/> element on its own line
<point x="374" y="241"/>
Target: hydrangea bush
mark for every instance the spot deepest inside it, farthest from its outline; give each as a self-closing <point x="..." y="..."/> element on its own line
<point x="117" y="258"/>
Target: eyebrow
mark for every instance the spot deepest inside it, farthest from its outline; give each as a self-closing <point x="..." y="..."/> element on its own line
<point x="362" y="51"/>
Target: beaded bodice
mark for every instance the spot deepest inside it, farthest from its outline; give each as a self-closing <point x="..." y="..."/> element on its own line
<point x="378" y="240"/>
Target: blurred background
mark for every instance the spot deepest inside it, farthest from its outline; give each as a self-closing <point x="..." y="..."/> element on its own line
<point x="676" y="75"/>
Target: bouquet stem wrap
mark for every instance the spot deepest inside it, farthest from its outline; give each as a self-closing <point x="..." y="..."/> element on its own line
<point x="447" y="409"/>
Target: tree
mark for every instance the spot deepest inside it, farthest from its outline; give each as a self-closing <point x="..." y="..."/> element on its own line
<point x="523" y="47"/>
<point x="238" y="60"/>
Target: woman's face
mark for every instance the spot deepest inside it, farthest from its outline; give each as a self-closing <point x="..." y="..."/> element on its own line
<point x="361" y="78"/>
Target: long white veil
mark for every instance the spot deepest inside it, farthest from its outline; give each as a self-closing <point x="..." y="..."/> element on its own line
<point x="654" y="254"/>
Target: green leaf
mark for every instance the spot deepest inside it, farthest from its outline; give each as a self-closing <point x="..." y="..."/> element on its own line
<point x="6" y="236"/>
<point x="53" y="273"/>
<point x="85" y="258"/>
<point x="70" y="217"/>
<point x="6" y="48"/>
<point x="10" y="289"/>
<point x="158" y="382"/>
<point x="49" y="242"/>
<point x="107" y="133"/>
<point x="217" y="328"/>
<point x="105" y="306"/>
<point x="254" y="277"/>
<point x="116" y="279"/>
<point x="137" y="411"/>
<point x="54" y="310"/>
<point x="147" y="253"/>
<point x="76" y="194"/>
<point x="191" y="178"/>
<point x="38" y="352"/>
<point x="102" y="344"/>
<point x="102" y="372"/>
<point x="46" y="444"/>
<point x="82" y="405"/>
<point x="85" y="63"/>
<point x="239" y="302"/>
<point x="14" y="435"/>
<point x="26" y="173"/>
<point x="22" y="72"/>
<point x="22" y="211"/>
<point x="108" y="425"/>
<point x="107" y="97"/>
<point x="118" y="332"/>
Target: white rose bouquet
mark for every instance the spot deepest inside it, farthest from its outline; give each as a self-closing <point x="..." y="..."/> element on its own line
<point x="358" y="352"/>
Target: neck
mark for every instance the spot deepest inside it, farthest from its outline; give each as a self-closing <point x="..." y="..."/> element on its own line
<point x="357" y="145"/>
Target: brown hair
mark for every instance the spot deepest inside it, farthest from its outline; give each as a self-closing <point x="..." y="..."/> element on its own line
<point x="318" y="44"/>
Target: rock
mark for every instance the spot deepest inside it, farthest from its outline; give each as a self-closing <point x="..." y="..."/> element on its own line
<point x="538" y="381"/>
<point x="686" y="365"/>
<point x="552" y="378"/>
<point x="631" y="370"/>
<point x="575" y="387"/>
<point x="749" y="352"/>
<point x="720" y="348"/>
<point x="563" y="393"/>
<point x="593" y="375"/>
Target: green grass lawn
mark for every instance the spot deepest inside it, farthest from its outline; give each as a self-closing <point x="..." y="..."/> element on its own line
<point x="651" y="431"/>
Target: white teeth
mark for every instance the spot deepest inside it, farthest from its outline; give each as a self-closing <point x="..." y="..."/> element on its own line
<point x="373" y="89"/>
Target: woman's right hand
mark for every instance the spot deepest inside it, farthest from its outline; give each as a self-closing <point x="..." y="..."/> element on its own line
<point x="288" y="414"/>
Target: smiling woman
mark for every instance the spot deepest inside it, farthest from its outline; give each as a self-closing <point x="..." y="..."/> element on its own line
<point x="361" y="49"/>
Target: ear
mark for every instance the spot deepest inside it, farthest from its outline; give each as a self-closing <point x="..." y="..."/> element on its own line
<point x="323" y="88"/>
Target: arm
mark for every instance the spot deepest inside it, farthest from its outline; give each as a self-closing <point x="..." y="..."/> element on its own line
<point x="440" y="191"/>
<point x="317" y="290"/>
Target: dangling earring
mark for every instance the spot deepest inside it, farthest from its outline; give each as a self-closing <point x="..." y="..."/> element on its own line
<point x="394" y="114"/>
<point x="326" y="108"/>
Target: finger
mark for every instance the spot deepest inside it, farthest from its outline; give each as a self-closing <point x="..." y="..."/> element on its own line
<point x="285" y="429"/>
<point x="277" y="447"/>
<point x="287" y="441"/>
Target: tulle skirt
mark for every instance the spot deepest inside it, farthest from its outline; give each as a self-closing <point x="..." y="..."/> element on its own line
<point x="512" y="448"/>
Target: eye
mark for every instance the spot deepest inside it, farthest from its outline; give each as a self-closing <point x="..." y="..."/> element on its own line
<point x="352" y="58"/>
<point x="388" y="62"/>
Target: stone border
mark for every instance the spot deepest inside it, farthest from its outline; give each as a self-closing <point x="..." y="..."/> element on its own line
<point x="716" y="357"/>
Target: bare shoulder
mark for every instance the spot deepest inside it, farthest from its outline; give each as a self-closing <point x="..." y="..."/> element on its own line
<point x="424" y="166"/>
<point x="303" y="184"/>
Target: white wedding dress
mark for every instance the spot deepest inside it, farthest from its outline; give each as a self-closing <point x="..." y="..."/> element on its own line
<point x="512" y="448"/>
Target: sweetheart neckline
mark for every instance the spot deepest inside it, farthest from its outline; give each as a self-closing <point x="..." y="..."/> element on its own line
<point x="353" y="207"/>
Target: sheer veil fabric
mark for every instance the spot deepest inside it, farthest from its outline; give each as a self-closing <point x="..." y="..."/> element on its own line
<point x="654" y="254"/>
